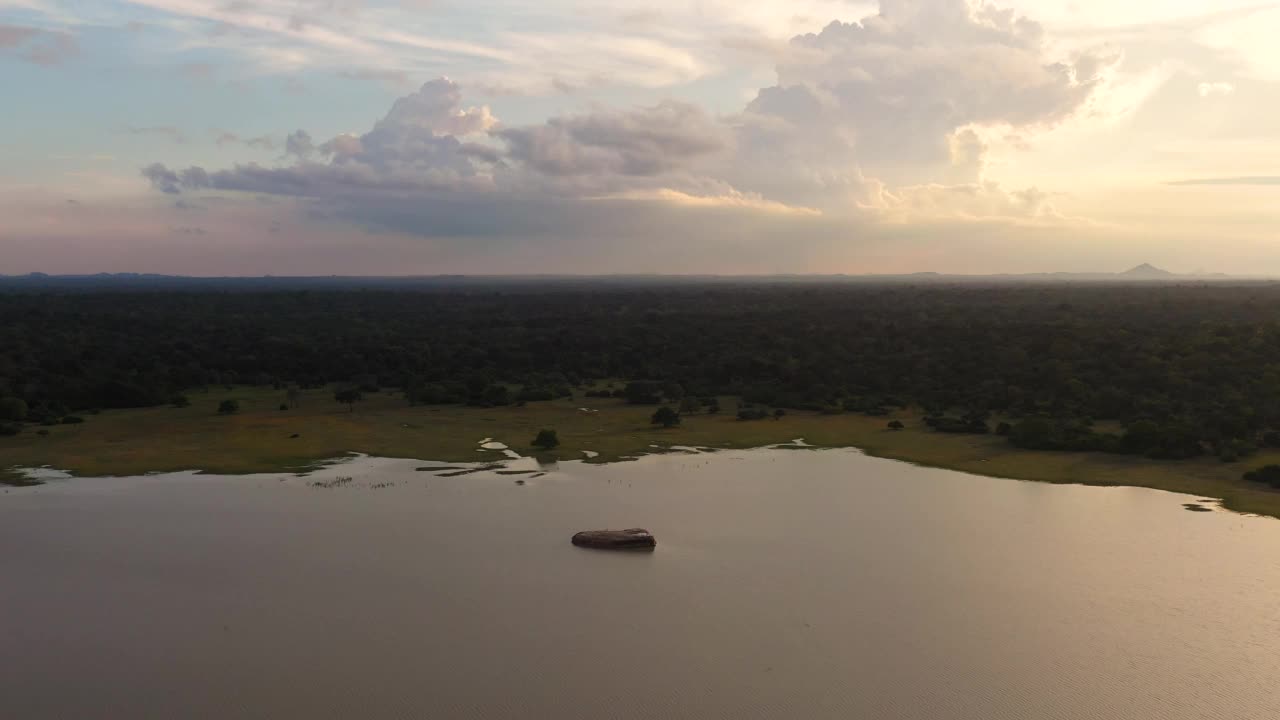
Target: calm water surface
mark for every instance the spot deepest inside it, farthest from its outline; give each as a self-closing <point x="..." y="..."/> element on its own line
<point x="786" y="584"/>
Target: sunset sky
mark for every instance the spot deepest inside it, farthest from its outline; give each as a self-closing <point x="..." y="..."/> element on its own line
<point x="250" y="137"/>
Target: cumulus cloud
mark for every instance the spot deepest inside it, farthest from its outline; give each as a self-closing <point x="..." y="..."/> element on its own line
<point x="646" y="141"/>
<point x="883" y="119"/>
<point x="421" y="143"/>
<point x="897" y="93"/>
<point x="415" y="147"/>
<point x="299" y="145"/>
<point x="162" y="178"/>
<point x="435" y="109"/>
<point x="345" y="146"/>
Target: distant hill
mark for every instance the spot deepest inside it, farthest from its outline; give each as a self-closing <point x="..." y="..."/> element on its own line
<point x="1146" y="270"/>
<point x="1144" y="273"/>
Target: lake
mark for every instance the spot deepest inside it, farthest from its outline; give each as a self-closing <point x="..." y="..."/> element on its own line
<point x="786" y="584"/>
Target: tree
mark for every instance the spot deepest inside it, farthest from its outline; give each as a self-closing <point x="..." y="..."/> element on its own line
<point x="496" y="394"/>
<point x="228" y="407"/>
<point x="714" y="407"/>
<point x="896" y="425"/>
<point x="1269" y="474"/>
<point x="180" y="401"/>
<point x="435" y="394"/>
<point x="1033" y="433"/>
<point x="12" y="408"/>
<point x="349" y="396"/>
<point x="546" y="439"/>
<point x="666" y="417"/>
<point x="643" y="393"/>
<point x="779" y="413"/>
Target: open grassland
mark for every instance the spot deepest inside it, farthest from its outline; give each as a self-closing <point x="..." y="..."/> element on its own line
<point x="259" y="439"/>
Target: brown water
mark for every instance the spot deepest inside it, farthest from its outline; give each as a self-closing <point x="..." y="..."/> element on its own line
<point x="786" y="584"/>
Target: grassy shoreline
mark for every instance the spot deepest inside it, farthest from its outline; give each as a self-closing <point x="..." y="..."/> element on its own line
<point x="258" y="439"/>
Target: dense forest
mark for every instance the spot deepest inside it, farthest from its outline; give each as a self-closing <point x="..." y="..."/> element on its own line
<point x="1184" y="369"/>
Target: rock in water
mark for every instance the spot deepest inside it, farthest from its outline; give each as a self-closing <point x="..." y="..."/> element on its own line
<point x="630" y="539"/>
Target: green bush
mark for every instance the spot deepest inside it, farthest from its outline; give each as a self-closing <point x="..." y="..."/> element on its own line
<point x="546" y="439"/>
<point x="1267" y="474"/>
<point x="12" y="408"/>
<point x="666" y="417"/>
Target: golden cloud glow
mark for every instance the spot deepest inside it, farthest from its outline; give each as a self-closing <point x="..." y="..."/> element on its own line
<point x="733" y="199"/>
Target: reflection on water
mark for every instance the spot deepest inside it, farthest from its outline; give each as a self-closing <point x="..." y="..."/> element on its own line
<point x="820" y="584"/>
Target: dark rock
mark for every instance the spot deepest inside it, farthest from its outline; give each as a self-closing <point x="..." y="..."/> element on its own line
<point x="629" y="539"/>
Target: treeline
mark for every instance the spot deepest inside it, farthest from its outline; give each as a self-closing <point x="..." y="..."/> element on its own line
<point x="1185" y="369"/>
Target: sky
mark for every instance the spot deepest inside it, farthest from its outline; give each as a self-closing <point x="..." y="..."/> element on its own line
<point x="418" y="137"/>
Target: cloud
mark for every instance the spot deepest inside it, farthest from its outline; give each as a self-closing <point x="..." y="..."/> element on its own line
<point x="734" y="201"/>
<point x="262" y="142"/>
<point x="342" y="147"/>
<point x="646" y="141"/>
<point x="435" y="108"/>
<point x="38" y="46"/>
<point x="415" y="147"/>
<point x="889" y="94"/>
<point x="163" y="179"/>
<point x="299" y="145"/>
<point x="1211" y="89"/>
<point x="884" y="120"/>
<point x="12" y="36"/>
<point x="1247" y="180"/>
<point x="984" y="201"/>
<point x="388" y="43"/>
